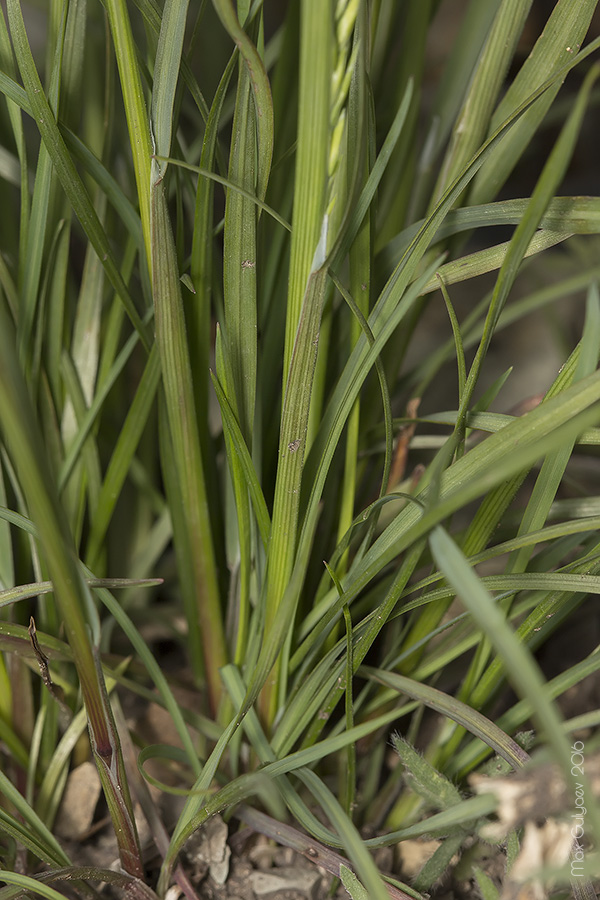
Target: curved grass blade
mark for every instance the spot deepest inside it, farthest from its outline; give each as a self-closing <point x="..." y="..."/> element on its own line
<point x="155" y="672"/>
<point x="545" y="188"/>
<point x="311" y="849"/>
<point x="198" y="809"/>
<point x="575" y="215"/>
<point x="41" y="839"/>
<point x="509" y="451"/>
<point x="382" y="322"/>
<point x="470" y="757"/>
<point x="472" y="720"/>
<point x="352" y="841"/>
<point x="520" y="667"/>
<point x="489" y="260"/>
<point x="24" y="591"/>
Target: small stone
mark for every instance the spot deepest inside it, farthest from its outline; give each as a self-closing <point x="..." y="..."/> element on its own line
<point x="76" y="812"/>
<point x="294" y="880"/>
<point x="208" y="851"/>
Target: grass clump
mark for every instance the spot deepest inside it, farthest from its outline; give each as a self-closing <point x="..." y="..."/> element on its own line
<point x="227" y="232"/>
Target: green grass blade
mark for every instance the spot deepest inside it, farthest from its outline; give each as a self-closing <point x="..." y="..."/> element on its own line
<point x="205" y="623"/>
<point x="155" y="673"/>
<point x="261" y="91"/>
<point x="166" y="73"/>
<point x="135" y="108"/>
<point x="77" y="611"/>
<point x="562" y="35"/>
<point x="484" y="467"/>
<point x="352" y="841"/>
<point x="198" y="315"/>
<point x="63" y="164"/>
<point x="472" y="720"/>
<point x="239" y="533"/>
<point x="240" y="258"/>
<point x="230" y="424"/>
<point x="575" y="215"/>
<point x="90" y="416"/>
<point x="294" y="426"/>
<point x="472" y="122"/>
<point x="316" y="64"/>
<point x="43" y="839"/>
<point x="7" y="64"/>
<point x="492" y="258"/>
<point x="548" y="183"/>
<point x="520" y="667"/>
<point x="126" y="445"/>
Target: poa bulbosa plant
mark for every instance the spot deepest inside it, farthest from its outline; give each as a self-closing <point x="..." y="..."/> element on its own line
<point x="249" y="315"/>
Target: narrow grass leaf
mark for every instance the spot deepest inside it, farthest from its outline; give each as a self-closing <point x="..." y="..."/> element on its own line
<point x="369" y="190"/>
<point x="292" y="447"/>
<point x="489" y="260"/>
<point x="472" y="122"/>
<point x="352" y="841"/>
<point x="63" y="164"/>
<point x="573" y="215"/>
<point x="545" y="188"/>
<point x="520" y="667"/>
<point x="510" y="721"/>
<point x="316" y="65"/>
<point x="487" y="465"/>
<point x="135" y="109"/>
<point x="118" y="467"/>
<point x="45" y="844"/>
<point x="382" y="323"/>
<point x="156" y="674"/>
<point x="472" y="720"/>
<point x="8" y="65"/>
<point x="91" y="414"/>
<point x="239" y="330"/>
<point x="205" y="620"/>
<point x="77" y="611"/>
<point x="166" y="72"/>
<point x="230" y="423"/>
<point x="460" y="350"/>
<point x="27" y="883"/>
<point x="261" y="91"/>
<point x="562" y="35"/>
<point x="198" y="315"/>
